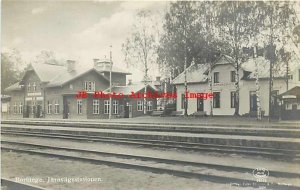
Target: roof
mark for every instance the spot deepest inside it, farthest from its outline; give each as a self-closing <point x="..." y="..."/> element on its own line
<point x="46" y="72"/>
<point x="126" y="90"/>
<point x="292" y="92"/>
<point x="195" y="74"/>
<point x="5" y="98"/>
<point x="223" y="60"/>
<point x="69" y="76"/>
<point x="13" y="87"/>
<point x="57" y="75"/>
<point x="264" y="68"/>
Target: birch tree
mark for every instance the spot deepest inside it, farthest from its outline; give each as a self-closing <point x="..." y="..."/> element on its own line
<point x="140" y="48"/>
<point x="233" y="22"/>
<point x="280" y="21"/>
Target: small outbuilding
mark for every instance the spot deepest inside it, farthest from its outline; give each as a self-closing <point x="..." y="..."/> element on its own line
<point x="290" y="99"/>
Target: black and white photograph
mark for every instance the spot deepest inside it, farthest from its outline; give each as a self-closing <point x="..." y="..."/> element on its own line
<point x="150" y="95"/>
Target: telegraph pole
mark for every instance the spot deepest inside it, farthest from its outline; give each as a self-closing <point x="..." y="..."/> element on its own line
<point x="272" y="57"/>
<point x="185" y="76"/>
<point x="110" y="83"/>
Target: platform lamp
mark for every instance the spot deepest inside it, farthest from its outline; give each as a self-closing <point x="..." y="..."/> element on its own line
<point x="110" y="83"/>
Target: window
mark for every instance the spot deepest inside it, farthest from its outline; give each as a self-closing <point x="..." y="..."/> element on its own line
<point x="232" y="76"/>
<point x="15" y="108"/>
<point x="96" y="107"/>
<point x="21" y="108"/>
<point x="216" y="100"/>
<point x="182" y="101"/>
<point x="34" y="87"/>
<point x="106" y="106"/>
<point x="149" y="106"/>
<point x="140" y="106"/>
<point x="115" y="107"/>
<point x="49" y="108"/>
<point x="232" y="99"/>
<point x="28" y="87"/>
<point x="216" y="77"/>
<point x="79" y="106"/>
<point x="56" y="107"/>
<point x="299" y="74"/>
<point x="89" y="86"/>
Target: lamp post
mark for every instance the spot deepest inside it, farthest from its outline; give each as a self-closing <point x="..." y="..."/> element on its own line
<point x="110" y="83"/>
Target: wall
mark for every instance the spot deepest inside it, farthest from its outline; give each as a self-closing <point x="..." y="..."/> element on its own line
<point x="225" y="87"/>
<point x="16" y="96"/>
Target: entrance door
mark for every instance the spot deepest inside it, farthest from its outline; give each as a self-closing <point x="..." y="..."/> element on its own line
<point x="130" y="111"/>
<point x="26" y="111"/>
<point x="66" y="104"/>
<point x="253" y="101"/>
<point x="200" y="105"/>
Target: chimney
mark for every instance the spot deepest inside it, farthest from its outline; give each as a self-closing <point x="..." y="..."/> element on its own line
<point x="96" y="62"/>
<point x="129" y="82"/>
<point x="158" y="78"/>
<point x="70" y="65"/>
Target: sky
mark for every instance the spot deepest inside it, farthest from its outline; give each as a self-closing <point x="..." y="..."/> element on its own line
<point x="77" y="30"/>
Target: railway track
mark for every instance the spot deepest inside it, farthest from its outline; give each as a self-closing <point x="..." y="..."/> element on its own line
<point x="281" y="154"/>
<point x="240" y="176"/>
<point x="7" y="184"/>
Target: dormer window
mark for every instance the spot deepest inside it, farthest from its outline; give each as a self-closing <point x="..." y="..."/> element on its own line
<point x="89" y="86"/>
<point x="34" y="87"/>
<point x="28" y="87"/>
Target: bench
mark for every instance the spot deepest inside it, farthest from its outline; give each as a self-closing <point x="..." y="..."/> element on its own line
<point x="199" y="114"/>
<point x="176" y="113"/>
<point x="157" y="113"/>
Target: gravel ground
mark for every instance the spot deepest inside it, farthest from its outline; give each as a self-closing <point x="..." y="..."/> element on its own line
<point x="40" y="168"/>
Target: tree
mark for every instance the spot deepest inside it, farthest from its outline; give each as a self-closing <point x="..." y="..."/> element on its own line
<point x="47" y="57"/>
<point x="185" y="38"/>
<point x="10" y="68"/>
<point x="233" y="22"/>
<point x="140" y="48"/>
<point x="280" y="21"/>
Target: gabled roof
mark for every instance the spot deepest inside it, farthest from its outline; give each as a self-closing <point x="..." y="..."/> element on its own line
<point x="224" y="60"/>
<point x="70" y="76"/>
<point x="46" y="72"/>
<point x="13" y="87"/>
<point x="292" y="92"/>
<point x="57" y="75"/>
<point x="126" y="90"/>
<point x="195" y="74"/>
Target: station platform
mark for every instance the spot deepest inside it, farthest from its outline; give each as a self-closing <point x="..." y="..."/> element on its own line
<point x="191" y="137"/>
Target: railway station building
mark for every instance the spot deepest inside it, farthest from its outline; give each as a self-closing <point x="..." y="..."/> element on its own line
<point x="49" y="91"/>
<point x="224" y="90"/>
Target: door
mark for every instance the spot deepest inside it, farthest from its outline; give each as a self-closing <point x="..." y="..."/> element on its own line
<point x="26" y="111"/>
<point x="130" y="111"/>
<point x="200" y="105"/>
<point x="253" y="101"/>
<point x="126" y="111"/>
<point x="66" y="105"/>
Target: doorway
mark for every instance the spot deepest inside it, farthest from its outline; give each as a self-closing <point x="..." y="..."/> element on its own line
<point x="128" y="111"/>
<point x="66" y="105"/>
<point x="200" y="106"/>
